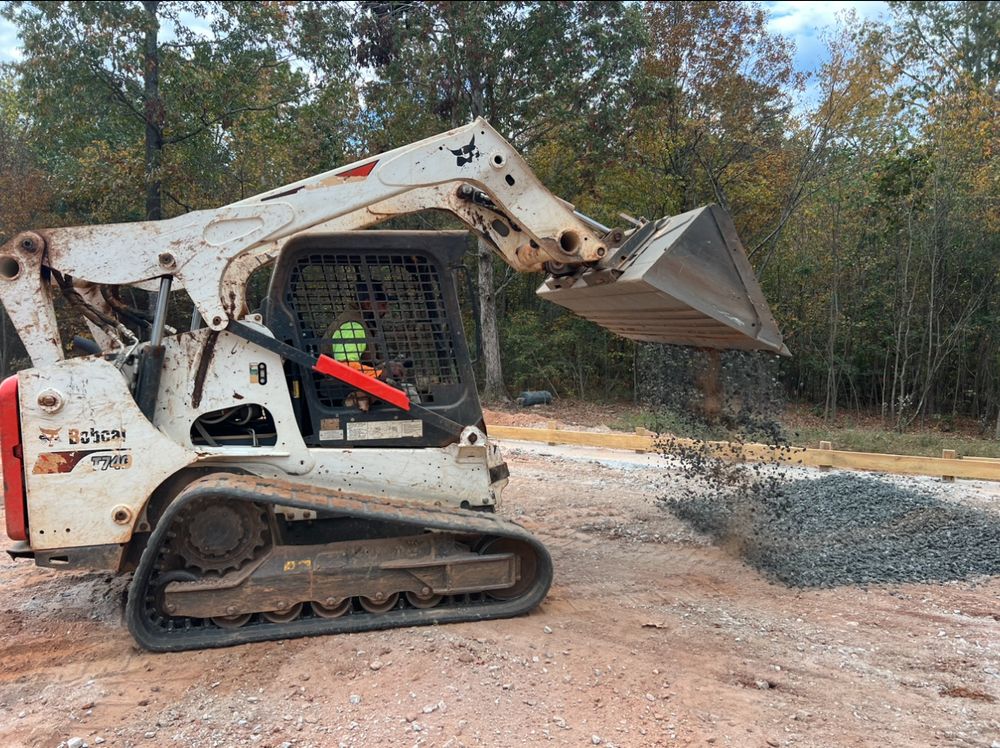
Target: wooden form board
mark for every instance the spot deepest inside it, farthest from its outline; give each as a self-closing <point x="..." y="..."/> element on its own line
<point x="968" y="468"/>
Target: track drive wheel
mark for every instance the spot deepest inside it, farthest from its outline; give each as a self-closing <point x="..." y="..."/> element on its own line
<point x="215" y="537"/>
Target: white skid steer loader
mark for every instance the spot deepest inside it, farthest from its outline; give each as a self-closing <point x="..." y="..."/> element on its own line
<point x="321" y="464"/>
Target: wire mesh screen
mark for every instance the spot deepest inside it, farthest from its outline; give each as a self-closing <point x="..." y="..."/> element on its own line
<point x="382" y="314"/>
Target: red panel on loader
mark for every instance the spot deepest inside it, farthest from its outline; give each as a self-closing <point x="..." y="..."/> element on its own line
<point x="359" y="171"/>
<point x="14" y="500"/>
<point x="365" y="383"/>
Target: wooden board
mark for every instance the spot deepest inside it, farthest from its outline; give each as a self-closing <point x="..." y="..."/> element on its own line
<point x="971" y="468"/>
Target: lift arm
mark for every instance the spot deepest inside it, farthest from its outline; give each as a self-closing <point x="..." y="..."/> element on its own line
<point x="451" y="171"/>
<point x="682" y="279"/>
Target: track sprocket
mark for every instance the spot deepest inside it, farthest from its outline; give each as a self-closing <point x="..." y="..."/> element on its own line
<point x="216" y="537"/>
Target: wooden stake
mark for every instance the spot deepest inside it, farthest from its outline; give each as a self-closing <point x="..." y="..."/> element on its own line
<point x="949" y="454"/>
<point x="826" y="462"/>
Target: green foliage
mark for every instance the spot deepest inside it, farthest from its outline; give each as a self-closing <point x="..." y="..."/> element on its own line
<point x="890" y="441"/>
<point x="870" y="211"/>
<point x="556" y="351"/>
<point x="237" y="108"/>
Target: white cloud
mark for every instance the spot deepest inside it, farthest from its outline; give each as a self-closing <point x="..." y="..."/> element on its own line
<point x="10" y="45"/>
<point x="809" y="25"/>
<point x="806" y="23"/>
<point x="797" y="16"/>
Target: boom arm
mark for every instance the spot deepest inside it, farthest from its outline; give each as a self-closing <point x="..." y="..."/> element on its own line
<point x="527" y="223"/>
<point x="682" y="280"/>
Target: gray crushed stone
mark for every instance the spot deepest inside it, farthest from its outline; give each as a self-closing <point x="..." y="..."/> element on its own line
<point x="846" y="529"/>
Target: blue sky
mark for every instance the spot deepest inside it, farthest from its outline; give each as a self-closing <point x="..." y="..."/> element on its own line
<point x="807" y="22"/>
<point x="8" y="41"/>
<point x="804" y="21"/>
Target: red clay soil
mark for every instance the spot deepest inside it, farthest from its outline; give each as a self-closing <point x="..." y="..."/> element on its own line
<point x="650" y="636"/>
<point x="569" y="414"/>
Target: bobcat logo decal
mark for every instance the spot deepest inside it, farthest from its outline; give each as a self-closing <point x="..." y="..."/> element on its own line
<point x="49" y="436"/>
<point x="467" y="153"/>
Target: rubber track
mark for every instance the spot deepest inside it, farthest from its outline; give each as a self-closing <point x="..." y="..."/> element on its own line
<point x="284" y="493"/>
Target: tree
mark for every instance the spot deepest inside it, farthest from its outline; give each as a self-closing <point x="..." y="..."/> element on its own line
<point x="528" y="67"/>
<point x="24" y="196"/>
<point x="951" y="44"/>
<point x="24" y="200"/>
<point x="181" y="77"/>
<point x="869" y="207"/>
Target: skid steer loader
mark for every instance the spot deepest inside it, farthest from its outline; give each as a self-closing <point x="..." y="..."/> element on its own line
<point x="320" y="464"/>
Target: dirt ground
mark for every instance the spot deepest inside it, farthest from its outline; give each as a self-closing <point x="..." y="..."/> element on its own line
<point x="566" y="414"/>
<point x="650" y="636"/>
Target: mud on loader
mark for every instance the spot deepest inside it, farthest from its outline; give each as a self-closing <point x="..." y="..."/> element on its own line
<point x="261" y="475"/>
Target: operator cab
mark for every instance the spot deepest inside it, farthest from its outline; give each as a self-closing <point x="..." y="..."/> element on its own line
<point x="386" y="304"/>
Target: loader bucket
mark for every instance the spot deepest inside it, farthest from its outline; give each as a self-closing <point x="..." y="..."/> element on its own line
<point x="683" y="280"/>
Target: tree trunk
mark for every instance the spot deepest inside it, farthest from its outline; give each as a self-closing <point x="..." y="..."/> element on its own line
<point x="493" y="389"/>
<point x="153" y="106"/>
<point x="832" y="384"/>
<point x="153" y="113"/>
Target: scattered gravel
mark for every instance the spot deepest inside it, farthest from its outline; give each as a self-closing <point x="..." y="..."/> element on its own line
<point x="840" y="529"/>
<point x="847" y="529"/>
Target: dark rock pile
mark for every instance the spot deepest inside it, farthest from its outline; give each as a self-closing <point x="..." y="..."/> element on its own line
<point x="835" y="530"/>
<point x="845" y="529"/>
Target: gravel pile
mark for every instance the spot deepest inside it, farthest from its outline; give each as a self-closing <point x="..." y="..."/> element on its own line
<point x="846" y="529"/>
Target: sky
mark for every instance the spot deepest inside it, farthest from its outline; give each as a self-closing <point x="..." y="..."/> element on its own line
<point x="808" y="23"/>
<point x="8" y="42"/>
<point x="805" y="21"/>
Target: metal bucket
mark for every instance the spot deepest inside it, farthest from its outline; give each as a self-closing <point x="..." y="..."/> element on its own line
<point x="683" y="280"/>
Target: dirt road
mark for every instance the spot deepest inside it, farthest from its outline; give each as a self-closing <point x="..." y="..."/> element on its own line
<point x="650" y="636"/>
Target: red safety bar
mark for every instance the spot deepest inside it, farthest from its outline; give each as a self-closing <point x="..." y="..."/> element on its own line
<point x="15" y="503"/>
<point x="375" y="387"/>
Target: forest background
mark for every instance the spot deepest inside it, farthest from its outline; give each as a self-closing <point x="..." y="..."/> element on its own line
<point x="867" y="194"/>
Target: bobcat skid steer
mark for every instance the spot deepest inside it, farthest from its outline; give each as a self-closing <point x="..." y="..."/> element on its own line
<point x="321" y="464"/>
